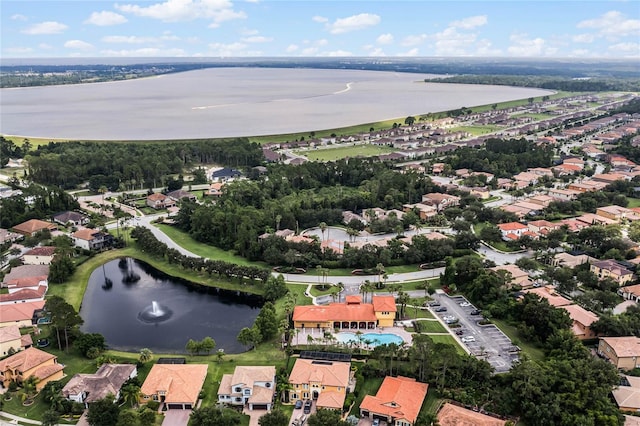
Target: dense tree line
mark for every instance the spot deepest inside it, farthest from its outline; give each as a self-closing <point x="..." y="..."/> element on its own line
<point x="133" y="165"/>
<point x="502" y="157"/>
<point x="35" y="202"/>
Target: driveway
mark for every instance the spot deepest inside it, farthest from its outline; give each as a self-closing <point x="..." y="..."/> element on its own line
<point x="176" y="417"/>
<point x="254" y="416"/>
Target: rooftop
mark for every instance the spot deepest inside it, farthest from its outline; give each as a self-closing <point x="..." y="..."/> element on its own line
<point x="398" y="397"/>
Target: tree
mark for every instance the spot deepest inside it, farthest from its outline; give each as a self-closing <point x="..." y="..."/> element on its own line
<point x="409" y="120"/>
<point x="250" y="336"/>
<point x="208" y="344"/>
<point x="130" y="393"/>
<point x="267" y="321"/>
<point x="324" y="417"/>
<point x="145" y="355"/>
<point x="193" y="347"/>
<point x="50" y="418"/>
<point x="103" y="412"/>
<point x="63" y="317"/>
<point x="90" y="344"/>
<point x="127" y="418"/>
<point x="214" y="416"/>
<point x="323" y="227"/>
<point x="146" y="417"/>
<point x="274" y="418"/>
<point x="61" y="269"/>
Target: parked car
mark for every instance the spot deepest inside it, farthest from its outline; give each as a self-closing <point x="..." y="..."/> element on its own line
<point x="465" y="304"/>
<point x="434" y="303"/>
<point x="459" y="332"/>
<point x="468" y="339"/>
<point x="376" y="422"/>
<point x="307" y="406"/>
<point x="441" y="309"/>
<point x="298" y="404"/>
<point x="476" y="312"/>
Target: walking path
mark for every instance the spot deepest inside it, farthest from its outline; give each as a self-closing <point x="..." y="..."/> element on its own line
<point x="14" y="420"/>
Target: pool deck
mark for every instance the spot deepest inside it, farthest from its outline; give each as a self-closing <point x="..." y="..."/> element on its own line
<point x="301" y="336"/>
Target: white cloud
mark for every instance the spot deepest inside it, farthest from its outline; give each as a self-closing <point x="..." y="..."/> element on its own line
<point x="353" y="23"/>
<point x="18" y="17"/>
<point x="451" y="42"/>
<point x="248" y="32"/>
<point x="413" y="40"/>
<point x="375" y="52"/>
<point x="257" y="39"/>
<point x="45" y="46"/>
<point x="145" y="51"/>
<point x="583" y="38"/>
<point x="78" y="45"/>
<point x="231" y="49"/>
<point x="105" y="19"/>
<point x="612" y="24"/>
<point x="338" y="53"/>
<point x="470" y="22"/>
<point x="292" y="48"/>
<point x="127" y="39"/>
<point x="580" y="53"/>
<point x="385" y="39"/>
<point x="523" y="46"/>
<point x="320" y="19"/>
<point x="309" y="51"/>
<point x="626" y="49"/>
<point x="412" y="52"/>
<point x="485" y="48"/>
<point x="186" y="10"/>
<point x="48" y="27"/>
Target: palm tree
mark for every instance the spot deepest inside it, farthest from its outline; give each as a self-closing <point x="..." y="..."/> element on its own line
<point x="323" y="227"/>
<point x="278" y="219"/>
<point x="145" y="355"/>
<point x="131" y="393"/>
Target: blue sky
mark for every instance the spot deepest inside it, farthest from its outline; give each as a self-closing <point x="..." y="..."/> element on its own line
<point x="215" y="28"/>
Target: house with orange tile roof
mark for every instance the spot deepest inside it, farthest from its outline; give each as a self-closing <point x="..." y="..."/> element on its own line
<point x="92" y="239"/>
<point x="623" y="352"/>
<point x="630" y="292"/>
<point x="440" y="201"/>
<point x="518" y="276"/>
<point x="215" y="190"/>
<point x="454" y="415"/>
<point x="33" y="226"/>
<point x="570" y="261"/>
<point x="550" y="295"/>
<point x="582" y="320"/>
<point x="159" y="201"/>
<point x="252" y="386"/>
<point x="397" y="402"/>
<point x="327" y="382"/>
<point x="21" y="314"/>
<point x="611" y="269"/>
<point x="175" y="385"/>
<point x="627" y="396"/>
<point x="24" y="295"/>
<point x="512" y="230"/>
<point x="352" y="314"/>
<point x="12" y="341"/>
<point x="617" y="213"/>
<point x="39" y="256"/>
<point x="31" y="362"/>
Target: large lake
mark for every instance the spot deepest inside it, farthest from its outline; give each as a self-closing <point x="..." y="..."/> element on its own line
<point x="229" y="102"/>
<point x="122" y="310"/>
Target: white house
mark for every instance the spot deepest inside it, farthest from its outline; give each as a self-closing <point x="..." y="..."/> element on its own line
<point x="249" y="385"/>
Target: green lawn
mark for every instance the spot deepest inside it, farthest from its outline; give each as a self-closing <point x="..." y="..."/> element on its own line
<point x="449" y="340"/>
<point x="432" y="402"/>
<point x="317" y="290"/>
<point x="184" y="240"/>
<point x="369" y="387"/>
<point x="534" y="352"/>
<point x="339" y="152"/>
<point x="477" y="130"/>
<point x="633" y="202"/>
<point x="432" y="327"/>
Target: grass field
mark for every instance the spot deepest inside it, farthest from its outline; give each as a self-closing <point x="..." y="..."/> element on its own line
<point x="476" y="130"/>
<point x="533" y="351"/>
<point x="449" y="340"/>
<point x="633" y="202"/>
<point x="432" y="327"/>
<point x="332" y="154"/>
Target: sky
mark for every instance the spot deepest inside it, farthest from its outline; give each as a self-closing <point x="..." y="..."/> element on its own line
<point x="328" y="28"/>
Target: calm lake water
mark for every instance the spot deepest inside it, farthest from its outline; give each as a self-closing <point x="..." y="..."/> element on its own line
<point x="122" y="311"/>
<point x="229" y="102"/>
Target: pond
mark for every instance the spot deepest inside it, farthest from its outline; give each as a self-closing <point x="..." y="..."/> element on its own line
<point x="134" y="306"/>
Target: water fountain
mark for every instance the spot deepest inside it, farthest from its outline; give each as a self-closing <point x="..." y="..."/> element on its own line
<point x="155" y="313"/>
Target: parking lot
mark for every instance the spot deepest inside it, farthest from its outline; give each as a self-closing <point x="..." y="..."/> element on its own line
<point x="484" y="341"/>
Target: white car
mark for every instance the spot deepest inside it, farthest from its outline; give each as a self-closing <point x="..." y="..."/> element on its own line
<point x="468" y="339"/>
<point x="465" y="304"/>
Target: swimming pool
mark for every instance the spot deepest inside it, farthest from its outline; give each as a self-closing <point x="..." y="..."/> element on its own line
<point x="373" y="339"/>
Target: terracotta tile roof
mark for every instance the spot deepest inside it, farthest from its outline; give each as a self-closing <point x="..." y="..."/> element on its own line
<point x="551" y="296"/>
<point x="25" y="340"/>
<point x="384" y="304"/>
<point x="20" y="311"/>
<point x="398" y="397"/>
<point x="329" y="373"/>
<point x="48" y="371"/>
<point x="261" y="395"/>
<point x="624" y="347"/>
<point x="247" y="376"/>
<point x="33" y="226"/>
<point x="27" y="271"/>
<point x="331" y="400"/>
<point x="157" y="197"/>
<point x="631" y="289"/>
<point x="24" y="294"/>
<point x="628" y="396"/>
<point x="41" y="251"/>
<point x="511" y="226"/>
<point x="612" y="266"/>
<point x="25" y="282"/>
<point x="86" y="234"/>
<point x="9" y="333"/>
<point x="26" y="360"/>
<point x="334" y="312"/>
<point x="452" y="415"/>
<point x="181" y="382"/>
<point x="580" y="315"/>
<point x="514" y="270"/>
